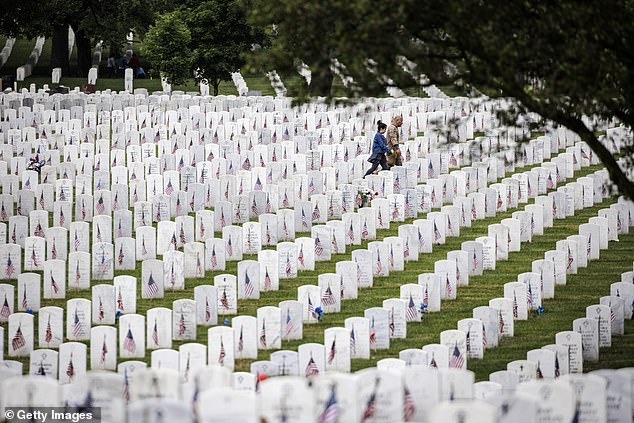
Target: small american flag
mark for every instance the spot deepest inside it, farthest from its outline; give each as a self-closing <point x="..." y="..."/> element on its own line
<point x="128" y="343"/>
<point x="214" y="258"/>
<point x="77" y="242"/>
<point x="570" y="259"/>
<point x="557" y="366"/>
<point x="181" y="234"/>
<point x="351" y="233"/>
<point x="515" y="307"/>
<point x="222" y="354"/>
<point x="267" y="279"/>
<point x="258" y="184"/>
<point x="529" y="297"/>
<point x="300" y="256"/>
<point x="409" y="407"/>
<point x="311" y="309"/>
<point x="5" y="311"/>
<point x="121" y="255"/>
<point x="54" y="285"/>
<point x="370" y="407"/>
<point x="99" y="234"/>
<point x="379" y="265"/>
<point x="172" y="276"/>
<point x="263" y="334"/>
<point x="100" y="205"/>
<point x="395" y="212"/>
<point x="380" y="218"/>
<point x="248" y="285"/>
<point x="331" y="410"/>
<point x="412" y="312"/>
<point x="34" y="257"/>
<point x="155" y="336"/>
<point x="229" y="248"/>
<point x="169" y="188"/>
<point x="332" y="354"/>
<point x="126" y="386"/>
<point x="39" y="230"/>
<point x="449" y="287"/>
<point x="501" y="322"/>
<point x="241" y="340"/>
<point x="285" y="202"/>
<point x="70" y="370"/>
<point x="288" y="265"/>
<point x="430" y="170"/>
<point x="372" y="334"/>
<point x="437" y="234"/>
<point x="18" y="340"/>
<point x="120" y="301"/>
<point x="304" y="220"/>
<point x="290" y="325"/>
<point x="392" y="325"/>
<point x="62" y="218"/>
<point x="254" y="208"/>
<point x="316" y="213"/>
<point x="101" y="310"/>
<point x="3" y="212"/>
<point x="77" y="326"/>
<point x="207" y="310"/>
<point x="25" y="303"/>
<point x="328" y="298"/>
<point x="10" y="269"/>
<point x="364" y="231"/>
<point x="456" y="360"/>
<point x="48" y="336"/>
<point x="182" y="328"/>
<point x="426" y="296"/>
<point x="311" y="368"/>
<point x="319" y="249"/>
<point x="484" y="336"/>
<point x="115" y="201"/>
<point x="224" y="301"/>
<point x="152" y="287"/>
<point x="353" y="342"/>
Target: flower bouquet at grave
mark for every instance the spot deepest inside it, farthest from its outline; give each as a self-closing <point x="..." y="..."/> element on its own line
<point x="365" y="197"/>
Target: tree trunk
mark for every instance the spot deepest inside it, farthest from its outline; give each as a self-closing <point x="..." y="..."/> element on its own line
<point x="216" y="84"/>
<point x="84" y="52"/>
<point x="321" y="82"/>
<point x="59" y="49"/>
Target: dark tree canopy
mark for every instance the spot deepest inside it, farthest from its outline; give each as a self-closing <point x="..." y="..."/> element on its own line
<point x="561" y="59"/>
<point x="91" y="20"/>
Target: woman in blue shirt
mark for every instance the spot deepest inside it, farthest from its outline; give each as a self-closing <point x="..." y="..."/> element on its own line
<point x="379" y="149"/>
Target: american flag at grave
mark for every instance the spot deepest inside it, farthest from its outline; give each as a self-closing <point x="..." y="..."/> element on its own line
<point x="269" y="271"/>
<point x="220" y="350"/>
<point x="269" y="322"/>
<point x="50" y="327"/>
<point x="191" y="357"/>
<point x="158" y="328"/>
<point x="292" y="324"/>
<point x="350" y="274"/>
<point x="504" y="308"/>
<point x="248" y="279"/>
<point x="132" y="336"/>
<point x="103" y="348"/>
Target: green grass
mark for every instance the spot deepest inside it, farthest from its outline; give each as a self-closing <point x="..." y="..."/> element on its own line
<point x="582" y="290"/>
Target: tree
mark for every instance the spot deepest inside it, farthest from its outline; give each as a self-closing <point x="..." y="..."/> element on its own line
<point x="220" y="37"/>
<point x="563" y="60"/>
<point x="166" y="45"/>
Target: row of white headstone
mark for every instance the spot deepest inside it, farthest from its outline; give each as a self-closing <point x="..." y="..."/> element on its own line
<point x="6" y="50"/>
<point x="106" y="313"/>
<point x="26" y="70"/>
<point x="240" y="83"/>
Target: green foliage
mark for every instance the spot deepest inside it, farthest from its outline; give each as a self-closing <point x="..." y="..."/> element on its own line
<point x="166" y="45"/>
<point x="220" y="36"/>
<point x="563" y="60"/>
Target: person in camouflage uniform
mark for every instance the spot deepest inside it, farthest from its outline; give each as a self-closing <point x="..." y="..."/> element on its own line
<point x="393" y="140"/>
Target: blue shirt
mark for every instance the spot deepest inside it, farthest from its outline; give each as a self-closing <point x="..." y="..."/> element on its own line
<point x="379" y="145"/>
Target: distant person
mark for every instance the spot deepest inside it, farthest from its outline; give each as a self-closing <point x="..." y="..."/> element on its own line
<point x="123" y="64"/>
<point x="140" y="73"/>
<point x="393" y="141"/>
<point x="379" y="149"/>
<point x="111" y="66"/>
<point x="134" y="63"/>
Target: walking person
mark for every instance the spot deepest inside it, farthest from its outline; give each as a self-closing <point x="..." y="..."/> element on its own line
<point x="393" y="141"/>
<point x="379" y="149"/>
